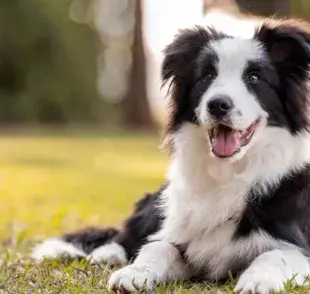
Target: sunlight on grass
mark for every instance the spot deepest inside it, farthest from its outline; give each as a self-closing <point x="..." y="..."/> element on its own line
<point x="51" y="184"/>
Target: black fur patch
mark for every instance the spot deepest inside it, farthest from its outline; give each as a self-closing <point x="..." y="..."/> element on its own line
<point x="145" y="221"/>
<point x="283" y="211"/>
<point x="89" y="239"/>
<point x="287" y="100"/>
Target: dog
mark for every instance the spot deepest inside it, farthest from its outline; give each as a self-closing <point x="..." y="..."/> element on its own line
<point x="237" y="196"/>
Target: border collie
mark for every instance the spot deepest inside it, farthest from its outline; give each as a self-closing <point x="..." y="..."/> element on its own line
<point x="237" y="197"/>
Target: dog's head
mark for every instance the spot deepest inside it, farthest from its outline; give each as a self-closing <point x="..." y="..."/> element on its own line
<point x="234" y="89"/>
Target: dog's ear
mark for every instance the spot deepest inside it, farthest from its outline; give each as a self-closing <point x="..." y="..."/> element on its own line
<point x="178" y="68"/>
<point x="181" y="54"/>
<point x="287" y="42"/>
<point x="288" y="46"/>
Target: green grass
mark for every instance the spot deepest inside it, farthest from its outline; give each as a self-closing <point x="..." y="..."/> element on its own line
<point x="55" y="182"/>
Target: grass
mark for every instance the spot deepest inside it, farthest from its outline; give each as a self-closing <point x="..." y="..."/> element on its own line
<point x="55" y="182"/>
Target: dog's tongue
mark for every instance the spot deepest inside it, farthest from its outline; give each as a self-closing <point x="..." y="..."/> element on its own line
<point x="225" y="142"/>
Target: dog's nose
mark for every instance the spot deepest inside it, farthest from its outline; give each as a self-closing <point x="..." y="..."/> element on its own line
<point x="220" y="105"/>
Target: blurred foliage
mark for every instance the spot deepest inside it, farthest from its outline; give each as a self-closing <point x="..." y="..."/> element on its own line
<point x="56" y="181"/>
<point x="48" y="67"/>
<point x="301" y="9"/>
<point x="48" y="63"/>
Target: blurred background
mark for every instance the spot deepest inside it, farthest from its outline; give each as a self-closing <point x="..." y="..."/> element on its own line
<point x="82" y="107"/>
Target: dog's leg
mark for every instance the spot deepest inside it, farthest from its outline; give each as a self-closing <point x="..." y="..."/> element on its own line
<point x="272" y="269"/>
<point x="157" y="262"/>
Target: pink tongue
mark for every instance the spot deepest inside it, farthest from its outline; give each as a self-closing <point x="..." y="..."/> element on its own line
<point x="225" y="143"/>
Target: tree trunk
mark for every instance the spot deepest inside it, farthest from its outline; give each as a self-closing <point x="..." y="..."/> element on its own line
<point x="136" y="111"/>
<point x="227" y="5"/>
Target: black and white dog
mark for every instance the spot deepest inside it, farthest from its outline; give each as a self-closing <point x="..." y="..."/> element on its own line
<point x="237" y="197"/>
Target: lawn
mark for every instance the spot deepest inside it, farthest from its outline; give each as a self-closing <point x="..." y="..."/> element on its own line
<point x="53" y="182"/>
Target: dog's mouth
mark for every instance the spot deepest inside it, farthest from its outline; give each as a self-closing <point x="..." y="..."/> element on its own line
<point x="227" y="141"/>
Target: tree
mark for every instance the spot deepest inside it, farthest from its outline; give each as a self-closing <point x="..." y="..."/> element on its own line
<point x="136" y="111"/>
<point x="48" y="65"/>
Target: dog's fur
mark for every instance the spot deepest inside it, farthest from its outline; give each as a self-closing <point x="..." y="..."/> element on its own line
<point x="244" y="211"/>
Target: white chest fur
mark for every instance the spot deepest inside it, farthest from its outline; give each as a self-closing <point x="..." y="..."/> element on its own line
<point x="203" y="219"/>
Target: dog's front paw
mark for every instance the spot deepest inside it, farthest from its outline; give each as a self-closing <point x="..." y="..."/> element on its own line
<point x="131" y="278"/>
<point x="112" y="253"/>
<point x="256" y="281"/>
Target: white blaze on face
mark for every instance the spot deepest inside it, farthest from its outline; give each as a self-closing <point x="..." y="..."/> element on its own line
<point x="233" y="55"/>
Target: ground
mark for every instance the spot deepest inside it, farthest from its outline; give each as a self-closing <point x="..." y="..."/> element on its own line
<point x="57" y="181"/>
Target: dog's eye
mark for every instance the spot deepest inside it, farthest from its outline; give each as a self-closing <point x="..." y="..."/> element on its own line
<point x="208" y="73"/>
<point x="253" y="78"/>
<point x="209" y="76"/>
